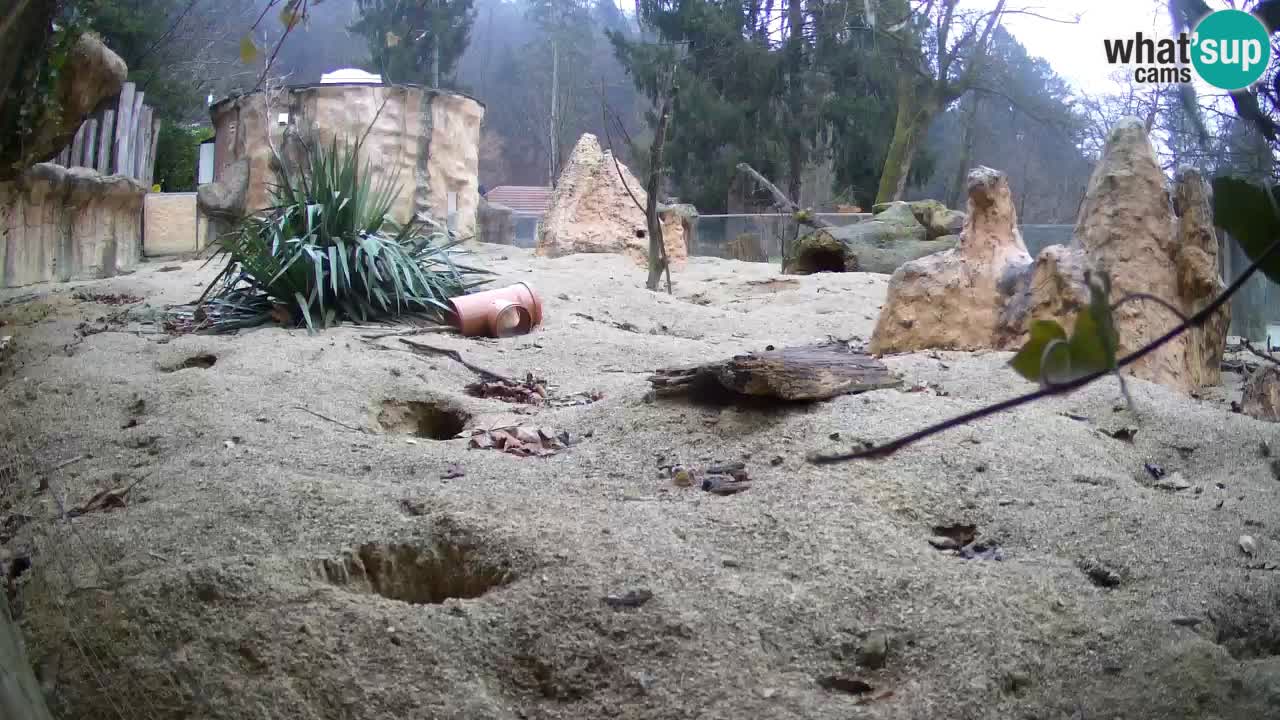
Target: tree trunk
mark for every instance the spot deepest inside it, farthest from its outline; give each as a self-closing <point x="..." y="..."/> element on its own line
<point x="968" y="120"/>
<point x="657" y="244"/>
<point x="555" y="95"/>
<point x="435" y="63"/>
<point x="795" y="79"/>
<point x="916" y="110"/>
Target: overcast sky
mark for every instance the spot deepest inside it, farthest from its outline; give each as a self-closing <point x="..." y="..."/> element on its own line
<point x="1075" y="50"/>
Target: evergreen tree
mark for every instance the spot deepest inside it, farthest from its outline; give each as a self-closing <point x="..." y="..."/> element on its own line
<point x="415" y="41"/>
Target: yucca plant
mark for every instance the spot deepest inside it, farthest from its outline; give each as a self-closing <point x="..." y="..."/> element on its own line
<point x="327" y="250"/>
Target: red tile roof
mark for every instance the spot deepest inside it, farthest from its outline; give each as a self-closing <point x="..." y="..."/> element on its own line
<point x="522" y="199"/>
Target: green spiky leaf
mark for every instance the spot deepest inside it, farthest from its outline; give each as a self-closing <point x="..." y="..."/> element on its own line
<point x="1245" y="212"/>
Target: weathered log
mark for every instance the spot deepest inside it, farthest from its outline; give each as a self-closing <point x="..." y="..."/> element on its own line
<point x="813" y="372"/>
<point x="863" y="247"/>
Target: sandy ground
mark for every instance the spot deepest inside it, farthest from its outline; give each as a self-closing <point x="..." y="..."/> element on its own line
<point x="228" y="587"/>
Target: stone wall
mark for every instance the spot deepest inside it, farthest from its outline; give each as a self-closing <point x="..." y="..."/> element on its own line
<point x="58" y="224"/>
<point x="171" y="225"/>
<point x="427" y="139"/>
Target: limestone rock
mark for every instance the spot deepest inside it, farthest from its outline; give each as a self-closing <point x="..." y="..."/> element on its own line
<point x="1261" y="395"/>
<point x="592" y="212"/>
<point x="986" y="293"/>
<point x="92" y="74"/>
<point x="1196" y="262"/>
<point x="683" y="215"/>
<point x="226" y="197"/>
<point x="225" y="201"/>
<point x="954" y="299"/>
<point x="1126" y="226"/>
<point x="858" y="248"/>
<point x="428" y="140"/>
<point x="936" y="218"/>
<point x="68" y="224"/>
<point x="895" y="222"/>
<point x="494" y="224"/>
<point x="880" y="245"/>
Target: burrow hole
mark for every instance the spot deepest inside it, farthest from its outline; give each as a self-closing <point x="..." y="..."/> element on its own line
<point x="820" y="261"/>
<point x="417" y="574"/>
<point x="1247" y="623"/>
<point x="203" y="361"/>
<point x="422" y="418"/>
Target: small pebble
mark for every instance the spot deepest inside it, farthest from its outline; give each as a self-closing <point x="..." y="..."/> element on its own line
<point x="1248" y="545"/>
<point x="874" y="651"/>
<point x="942" y="542"/>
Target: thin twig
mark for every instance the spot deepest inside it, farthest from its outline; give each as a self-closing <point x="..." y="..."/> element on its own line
<point x="1200" y="318"/>
<point x="339" y="423"/>
<point x="69" y="461"/>
<point x="457" y="357"/>
<point x="415" y="331"/>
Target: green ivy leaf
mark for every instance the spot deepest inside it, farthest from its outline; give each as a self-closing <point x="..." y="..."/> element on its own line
<point x="1049" y="357"/>
<point x="248" y="50"/>
<point x="1245" y="212"/>
<point x="1028" y="360"/>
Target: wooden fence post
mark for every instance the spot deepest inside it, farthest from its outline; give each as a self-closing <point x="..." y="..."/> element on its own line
<point x="124" y="127"/>
<point x="106" y="141"/>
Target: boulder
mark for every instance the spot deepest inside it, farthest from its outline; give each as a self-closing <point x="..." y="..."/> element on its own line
<point x="225" y="200"/>
<point x="682" y="218"/>
<point x="879" y="245"/>
<point x="92" y="74"/>
<point x="494" y="223"/>
<point x="596" y="209"/>
<point x="854" y="249"/>
<point x="1196" y="260"/>
<point x="986" y="293"/>
<point x="937" y="219"/>
<point x="955" y="299"/>
<point x="1260" y="398"/>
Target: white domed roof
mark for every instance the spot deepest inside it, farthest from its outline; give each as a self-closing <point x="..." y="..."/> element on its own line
<point x="350" y="75"/>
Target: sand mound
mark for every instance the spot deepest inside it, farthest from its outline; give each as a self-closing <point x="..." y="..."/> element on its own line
<point x="296" y="542"/>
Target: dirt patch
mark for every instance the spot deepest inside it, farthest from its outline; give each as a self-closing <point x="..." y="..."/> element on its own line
<point x="1248" y="623"/>
<point x="422" y="418"/>
<point x="107" y="298"/>
<point x="203" y="361"/>
<point x="776" y="285"/>
<point x="417" y="574"/>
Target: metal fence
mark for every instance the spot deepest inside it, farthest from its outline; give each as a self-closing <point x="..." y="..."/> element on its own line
<point x="715" y="234"/>
<point x="1255" y="310"/>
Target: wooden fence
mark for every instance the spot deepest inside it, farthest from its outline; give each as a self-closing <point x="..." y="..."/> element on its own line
<point x="118" y="139"/>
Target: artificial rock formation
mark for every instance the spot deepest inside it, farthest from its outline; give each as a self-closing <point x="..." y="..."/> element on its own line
<point x="986" y="293"/>
<point x="68" y="224"/>
<point x="937" y="219"/>
<point x="92" y="74"/>
<point x="593" y="210"/>
<point x="880" y="245"/>
<point x="225" y="200"/>
<point x="955" y="299"/>
<point x="428" y="140"/>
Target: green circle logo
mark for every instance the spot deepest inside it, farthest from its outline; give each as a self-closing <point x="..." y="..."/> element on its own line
<point x="1231" y="49"/>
